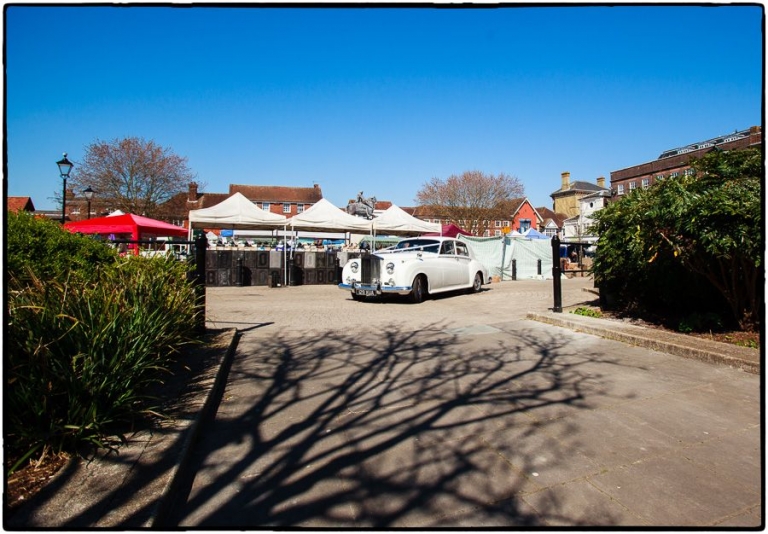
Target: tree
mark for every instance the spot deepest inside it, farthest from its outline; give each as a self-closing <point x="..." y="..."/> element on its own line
<point x="471" y="200"/>
<point x="702" y="226"/>
<point x="134" y="175"/>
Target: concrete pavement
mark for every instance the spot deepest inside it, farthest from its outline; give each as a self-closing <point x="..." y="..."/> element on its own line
<point x="462" y="412"/>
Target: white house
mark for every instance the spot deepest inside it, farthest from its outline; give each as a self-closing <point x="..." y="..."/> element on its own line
<point x="578" y="228"/>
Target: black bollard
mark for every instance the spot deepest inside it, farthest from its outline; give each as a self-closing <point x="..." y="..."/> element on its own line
<point x="201" y="243"/>
<point x="514" y="269"/>
<point x="239" y="273"/>
<point x="538" y="266"/>
<point x="556" y="286"/>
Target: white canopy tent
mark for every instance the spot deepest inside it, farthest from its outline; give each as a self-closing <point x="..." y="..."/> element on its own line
<point x="235" y="212"/>
<point x="396" y="220"/>
<point x="325" y="216"/>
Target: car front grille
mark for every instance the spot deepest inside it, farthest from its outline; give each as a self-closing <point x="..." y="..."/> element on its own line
<point x="370" y="269"/>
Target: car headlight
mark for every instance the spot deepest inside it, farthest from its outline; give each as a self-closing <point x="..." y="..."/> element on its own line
<point x="390" y="268"/>
<point x="354" y="266"/>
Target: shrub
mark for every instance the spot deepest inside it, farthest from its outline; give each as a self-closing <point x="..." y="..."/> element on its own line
<point x="82" y="347"/>
<point x="688" y="243"/>
<point x="42" y="248"/>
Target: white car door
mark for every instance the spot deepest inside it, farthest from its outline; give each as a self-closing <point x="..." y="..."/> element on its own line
<point x="464" y="260"/>
<point x="455" y="271"/>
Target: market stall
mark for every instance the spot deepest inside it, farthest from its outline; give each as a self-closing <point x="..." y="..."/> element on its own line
<point x="127" y="226"/>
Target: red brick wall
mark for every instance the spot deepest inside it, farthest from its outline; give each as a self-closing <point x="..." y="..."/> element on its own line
<point x="525" y="212"/>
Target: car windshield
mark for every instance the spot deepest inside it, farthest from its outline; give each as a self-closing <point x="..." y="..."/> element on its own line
<point x="426" y="245"/>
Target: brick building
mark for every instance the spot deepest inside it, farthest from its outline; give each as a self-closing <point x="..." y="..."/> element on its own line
<point x="20" y="204"/>
<point x="677" y="160"/>
<point x="287" y="201"/>
<point x="520" y="215"/>
<point x="565" y="200"/>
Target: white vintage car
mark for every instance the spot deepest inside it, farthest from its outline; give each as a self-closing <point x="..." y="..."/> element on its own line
<point x="415" y="267"/>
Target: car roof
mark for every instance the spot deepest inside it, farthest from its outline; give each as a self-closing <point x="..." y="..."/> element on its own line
<point x="431" y="237"/>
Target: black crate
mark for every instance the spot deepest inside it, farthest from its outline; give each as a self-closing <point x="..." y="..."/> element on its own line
<point x="223" y="259"/>
<point x="210" y="259"/>
<point x="261" y="278"/>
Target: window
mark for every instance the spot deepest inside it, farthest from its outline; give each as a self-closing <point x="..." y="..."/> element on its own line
<point x="286" y="207"/>
<point x="689" y="172"/>
<point x="659" y="176"/>
<point x="461" y="249"/>
<point x="525" y="225"/>
<point x="632" y="186"/>
<point x="620" y="189"/>
<point x="646" y="183"/>
<point x="674" y="174"/>
<point x="498" y="225"/>
<point x="299" y="208"/>
<point x="506" y="224"/>
<point x="550" y="232"/>
<point x="265" y="206"/>
<point x="497" y="233"/>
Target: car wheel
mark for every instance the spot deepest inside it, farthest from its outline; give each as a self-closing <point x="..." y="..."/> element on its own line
<point x="477" y="283"/>
<point x="419" y="289"/>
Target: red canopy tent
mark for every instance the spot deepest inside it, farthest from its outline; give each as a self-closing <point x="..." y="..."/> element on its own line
<point x="137" y="226"/>
<point x="450" y="230"/>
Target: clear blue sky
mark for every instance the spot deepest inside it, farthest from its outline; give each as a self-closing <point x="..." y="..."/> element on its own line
<point x="376" y="99"/>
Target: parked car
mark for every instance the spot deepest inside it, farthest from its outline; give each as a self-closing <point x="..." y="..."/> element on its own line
<point x="416" y="267"/>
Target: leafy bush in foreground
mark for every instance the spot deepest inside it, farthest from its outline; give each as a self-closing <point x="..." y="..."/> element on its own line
<point x="82" y="348"/>
<point x="41" y="248"/>
<point x="689" y="243"/>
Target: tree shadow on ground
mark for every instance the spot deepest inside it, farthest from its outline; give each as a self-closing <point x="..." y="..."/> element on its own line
<point x="407" y="429"/>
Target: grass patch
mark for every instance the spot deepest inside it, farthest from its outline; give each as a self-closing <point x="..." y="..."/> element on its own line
<point x="587" y="312"/>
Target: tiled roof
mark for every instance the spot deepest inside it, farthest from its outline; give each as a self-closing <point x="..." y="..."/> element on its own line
<point x="20" y="203"/>
<point x="548" y="214"/>
<point x="277" y="194"/>
<point x="207" y="200"/>
<point x="513" y="205"/>
<point x="580" y="186"/>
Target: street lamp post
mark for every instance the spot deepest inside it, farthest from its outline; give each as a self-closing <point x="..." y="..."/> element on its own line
<point x="88" y="196"/>
<point x="65" y="166"/>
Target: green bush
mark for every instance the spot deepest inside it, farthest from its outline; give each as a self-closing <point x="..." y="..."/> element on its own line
<point x="82" y="348"/>
<point x="689" y="243"/>
<point x="41" y="248"/>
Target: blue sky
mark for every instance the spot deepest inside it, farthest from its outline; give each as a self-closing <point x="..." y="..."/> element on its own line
<point x="376" y="99"/>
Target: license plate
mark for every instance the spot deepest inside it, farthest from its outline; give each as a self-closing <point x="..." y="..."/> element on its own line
<point x="365" y="292"/>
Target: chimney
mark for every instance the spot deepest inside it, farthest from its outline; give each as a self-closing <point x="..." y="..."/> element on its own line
<point x="192" y="195"/>
<point x="601" y="182"/>
<point x="566" y="176"/>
